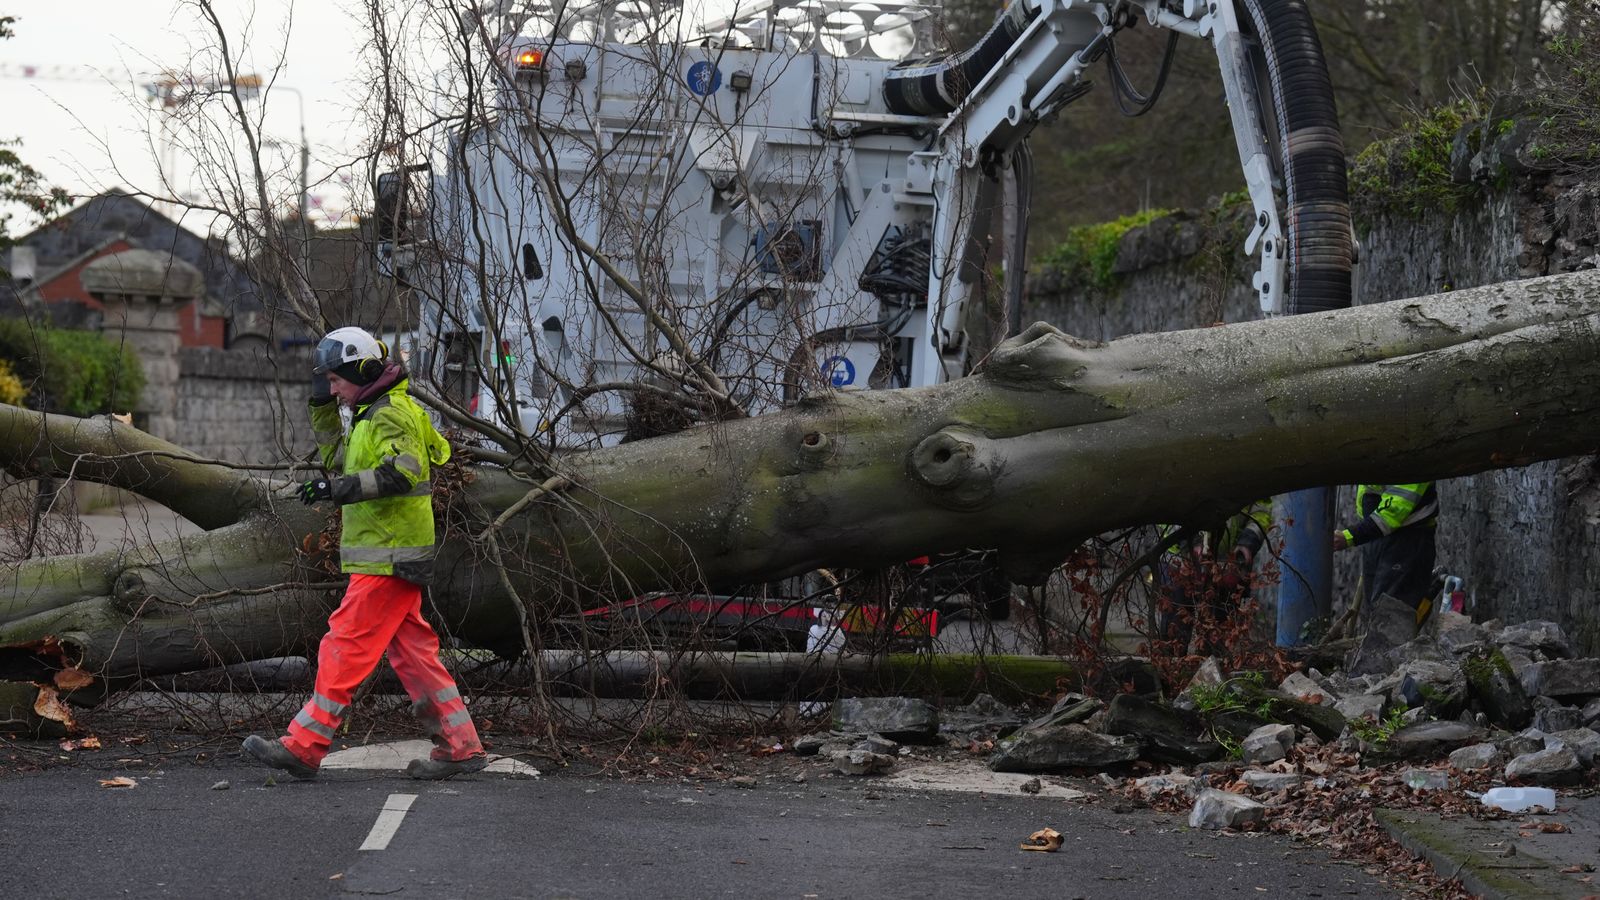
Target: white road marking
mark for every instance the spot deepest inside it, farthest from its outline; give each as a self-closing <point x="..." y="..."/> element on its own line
<point x="389" y="819"/>
<point x="395" y="755"/>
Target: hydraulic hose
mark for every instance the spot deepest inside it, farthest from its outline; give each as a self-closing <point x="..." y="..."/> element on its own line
<point x="1317" y="225"/>
<point x="937" y="85"/>
<point x="1316" y="187"/>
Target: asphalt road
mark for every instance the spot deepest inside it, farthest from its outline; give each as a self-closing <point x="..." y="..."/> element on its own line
<point x="64" y="835"/>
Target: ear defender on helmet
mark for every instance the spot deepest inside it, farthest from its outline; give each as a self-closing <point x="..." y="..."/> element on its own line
<point x="371" y="367"/>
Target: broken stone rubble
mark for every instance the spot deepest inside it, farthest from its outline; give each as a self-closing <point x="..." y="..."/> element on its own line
<point x="1555" y="765"/>
<point x="1268" y="744"/>
<point x="1458" y="681"/>
<point x="905" y="719"/>
<point x="1271" y="782"/>
<point x="1476" y="757"/>
<point x="1216" y="809"/>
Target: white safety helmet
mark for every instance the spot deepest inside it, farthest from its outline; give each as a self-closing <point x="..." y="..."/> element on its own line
<point x="350" y="351"/>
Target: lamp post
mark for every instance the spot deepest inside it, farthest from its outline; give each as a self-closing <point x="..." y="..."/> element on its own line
<point x="305" y="154"/>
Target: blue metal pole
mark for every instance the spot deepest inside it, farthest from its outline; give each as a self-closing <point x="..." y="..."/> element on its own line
<point x="1305" y="584"/>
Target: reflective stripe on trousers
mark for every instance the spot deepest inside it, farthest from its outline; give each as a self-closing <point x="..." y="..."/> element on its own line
<point x="445" y="715"/>
<point x="379" y="613"/>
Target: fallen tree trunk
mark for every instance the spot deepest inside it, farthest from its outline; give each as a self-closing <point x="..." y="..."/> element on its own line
<point x="1053" y="441"/>
<point x="702" y="675"/>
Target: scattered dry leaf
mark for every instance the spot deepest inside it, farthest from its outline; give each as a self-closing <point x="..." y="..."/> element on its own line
<point x="1554" y="828"/>
<point x="121" y="781"/>
<point x="89" y="743"/>
<point x="1047" y="840"/>
<point x="49" y="706"/>
<point x="72" y="678"/>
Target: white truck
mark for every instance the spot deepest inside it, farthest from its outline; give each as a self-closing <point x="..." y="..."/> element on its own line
<point x="654" y="213"/>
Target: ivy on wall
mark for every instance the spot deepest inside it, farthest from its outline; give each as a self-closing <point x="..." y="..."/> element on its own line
<point x="1089" y="254"/>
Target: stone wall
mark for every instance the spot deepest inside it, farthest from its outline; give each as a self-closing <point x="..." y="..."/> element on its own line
<point x="1524" y="540"/>
<point x="243" y="405"/>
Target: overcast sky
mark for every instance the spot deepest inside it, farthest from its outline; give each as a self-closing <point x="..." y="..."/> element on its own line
<point x="66" y="126"/>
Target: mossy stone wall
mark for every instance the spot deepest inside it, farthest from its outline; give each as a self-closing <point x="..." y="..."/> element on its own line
<point x="1526" y="540"/>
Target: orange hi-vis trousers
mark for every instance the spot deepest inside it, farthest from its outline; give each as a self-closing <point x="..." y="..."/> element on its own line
<point x="378" y="613"/>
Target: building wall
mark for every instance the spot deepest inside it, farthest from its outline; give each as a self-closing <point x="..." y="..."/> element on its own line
<point x="244" y="405"/>
<point x="196" y="328"/>
<point x="65" y="287"/>
<point x="1526" y="540"/>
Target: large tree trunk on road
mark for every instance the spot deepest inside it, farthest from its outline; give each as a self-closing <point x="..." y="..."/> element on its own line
<point x="1054" y="440"/>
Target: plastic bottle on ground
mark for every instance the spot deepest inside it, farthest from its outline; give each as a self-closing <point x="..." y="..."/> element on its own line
<point x="1517" y="799"/>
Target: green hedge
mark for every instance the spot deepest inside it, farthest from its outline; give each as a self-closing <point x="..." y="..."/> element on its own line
<point x="81" y="373"/>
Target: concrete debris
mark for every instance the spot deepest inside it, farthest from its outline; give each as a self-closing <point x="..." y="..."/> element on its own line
<point x="1069" y="710"/>
<point x="1062" y="747"/>
<point x="984" y="715"/>
<point x="1477" y="757"/>
<point x="1530" y="740"/>
<point x="1563" y="678"/>
<point x="1271" y="781"/>
<point x="1170" y="783"/>
<point x="1303" y="688"/>
<point x="906" y="719"/>
<point x="1429" y="740"/>
<point x="1362" y="706"/>
<point x="1437" y="687"/>
<point x="876" y="743"/>
<point x="1165" y="733"/>
<point x="1269" y="743"/>
<point x="1583" y="742"/>
<point x="1215" y="809"/>
<point x="1539" y="636"/>
<point x="1556" y="766"/>
<point x="862" y="762"/>
<point x="1519" y="660"/>
<point x="816" y="742"/>
<point x="1389" y="624"/>
<point x="1454" y="680"/>
<point x="1551" y="716"/>
<point x="1494" y="685"/>
<point x="1458" y="634"/>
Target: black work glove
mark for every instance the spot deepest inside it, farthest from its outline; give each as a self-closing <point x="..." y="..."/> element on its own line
<point x="321" y="393"/>
<point x="316" y="489"/>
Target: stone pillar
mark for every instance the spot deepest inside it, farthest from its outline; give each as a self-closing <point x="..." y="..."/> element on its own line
<point x="142" y="292"/>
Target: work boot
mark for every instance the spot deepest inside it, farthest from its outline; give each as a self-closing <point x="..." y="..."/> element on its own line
<point x="274" y="754"/>
<point x="430" y="769"/>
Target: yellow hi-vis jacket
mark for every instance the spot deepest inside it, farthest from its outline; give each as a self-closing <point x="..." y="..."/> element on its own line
<point x="385" y="491"/>
<point x="1246" y="529"/>
<point x="1384" y="508"/>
